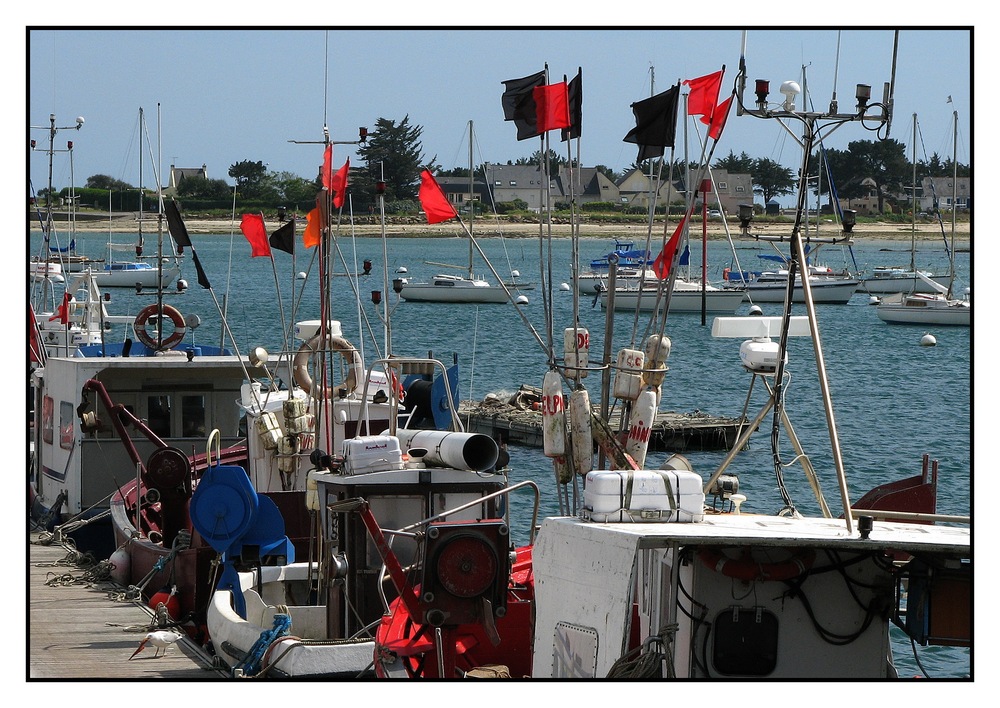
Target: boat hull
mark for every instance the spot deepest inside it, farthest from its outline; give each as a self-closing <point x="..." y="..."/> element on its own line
<point x="837" y="292"/>
<point x="716" y="301"/>
<point x="113" y="277"/>
<point x="466" y="292"/>
<point x="884" y="285"/>
<point x="925" y="310"/>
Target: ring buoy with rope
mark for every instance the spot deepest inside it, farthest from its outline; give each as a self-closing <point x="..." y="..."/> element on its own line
<point x="151" y="311"/>
<point x="747" y="569"/>
<point x="300" y="364"/>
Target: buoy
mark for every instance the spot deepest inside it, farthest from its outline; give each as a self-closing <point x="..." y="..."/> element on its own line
<point x="120" y="563"/>
<point x="657" y="351"/>
<point x="580" y="431"/>
<point x="628" y="374"/>
<point x="576" y="351"/>
<point x="169" y="600"/>
<point x="874" y="300"/>
<point x="640" y="426"/>
<point x="301" y="275"/>
<point x="401" y="269"/>
<point x="521" y="300"/>
<point x="928" y="340"/>
<point x="564" y="287"/>
<point x="515" y="274"/>
<point x="553" y="416"/>
<point x="755" y="310"/>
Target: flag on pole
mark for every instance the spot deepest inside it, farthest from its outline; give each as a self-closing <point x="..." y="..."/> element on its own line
<point x="252" y="226"/>
<point x="284" y="238"/>
<point x="575" y="91"/>
<point x="311" y="236"/>
<point x="719" y="117"/>
<point x="62" y="312"/>
<point x="326" y="175"/>
<point x="704" y="96"/>
<point x="663" y="262"/>
<point x="436" y="206"/>
<point x="518" y="102"/>
<point x="177" y="229"/>
<point x="551" y="107"/>
<point x="338" y="185"/>
<point x="655" y="123"/>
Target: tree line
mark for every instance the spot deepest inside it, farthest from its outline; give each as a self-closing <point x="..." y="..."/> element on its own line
<point x="392" y="158"/>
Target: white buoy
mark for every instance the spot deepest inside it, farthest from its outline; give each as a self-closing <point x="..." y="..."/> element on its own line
<point x="401" y="269"/>
<point x="301" y="275"/>
<point x="576" y="350"/>
<point x="755" y="310"/>
<point x="564" y="287"/>
<point x="515" y="274"/>
<point x="628" y="377"/>
<point x="874" y="300"/>
<point x="120" y="562"/>
<point x="521" y="300"/>
<point x="580" y="431"/>
<point x="640" y="426"/>
<point x="553" y="415"/>
<point x="928" y="340"/>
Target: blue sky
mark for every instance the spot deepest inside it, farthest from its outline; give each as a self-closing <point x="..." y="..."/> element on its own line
<point x="224" y="95"/>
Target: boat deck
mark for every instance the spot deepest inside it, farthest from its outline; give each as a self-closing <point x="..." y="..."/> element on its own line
<point x="76" y="631"/>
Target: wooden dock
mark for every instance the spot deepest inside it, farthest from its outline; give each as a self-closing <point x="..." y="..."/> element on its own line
<point x="517" y="423"/>
<point x="76" y="630"/>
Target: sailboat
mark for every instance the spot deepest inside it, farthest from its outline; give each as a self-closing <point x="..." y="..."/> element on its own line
<point x="940" y="307"/>
<point x="899" y="279"/>
<point x="469" y="288"/>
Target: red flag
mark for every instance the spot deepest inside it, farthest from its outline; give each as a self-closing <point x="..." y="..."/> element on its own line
<point x="339" y="184"/>
<point x="327" y="166"/>
<point x="252" y="226"/>
<point x="436" y="206"/>
<point x="552" y="107"/>
<point x="661" y="266"/>
<point x="704" y="95"/>
<point x="719" y="119"/>
<point x="311" y="236"/>
<point x="62" y="312"/>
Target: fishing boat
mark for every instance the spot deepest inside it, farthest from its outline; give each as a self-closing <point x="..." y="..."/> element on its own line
<point x="671" y="573"/>
<point x="941" y="306"/>
<point x="468" y="288"/>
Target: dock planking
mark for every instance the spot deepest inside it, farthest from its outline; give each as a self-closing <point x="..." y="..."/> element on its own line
<point x="77" y="632"/>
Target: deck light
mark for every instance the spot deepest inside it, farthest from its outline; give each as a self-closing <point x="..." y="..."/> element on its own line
<point x="362" y="134"/>
<point x="762" y="88"/>
<point x="863" y="93"/>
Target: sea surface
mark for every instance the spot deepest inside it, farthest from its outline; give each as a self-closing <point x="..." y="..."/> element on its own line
<point x="893" y="400"/>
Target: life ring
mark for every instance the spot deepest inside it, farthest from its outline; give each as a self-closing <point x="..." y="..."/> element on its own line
<point x="747" y="569"/>
<point x="300" y="364"/>
<point x="154" y="311"/>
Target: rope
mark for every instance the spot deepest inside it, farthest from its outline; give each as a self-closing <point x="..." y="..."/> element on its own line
<point x="251" y="663"/>
<point x="646" y="660"/>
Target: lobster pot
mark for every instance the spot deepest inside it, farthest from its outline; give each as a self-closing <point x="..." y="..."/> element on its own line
<point x="628" y="376"/>
<point x="288" y="448"/>
<point x="296" y="418"/>
<point x="553" y="416"/>
<point x="580" y="431"/>
<point x="643" y="496"/>
<point x="576" y="347"/>
<point x="268" y="430"/>
<point x="657" y="351"/>
<point x="640" y="425"/>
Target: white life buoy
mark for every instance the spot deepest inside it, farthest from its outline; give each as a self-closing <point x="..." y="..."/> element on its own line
<point x="580" y="431"/>
<point x="139" y="326"/>
<point x="300" y="364"/>
<point x="641" y="426"/>
<point x="553" y="416"/>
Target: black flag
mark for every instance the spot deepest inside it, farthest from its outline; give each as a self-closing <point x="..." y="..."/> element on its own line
<point x="284" y="238"/>
<point x="655" y="123"/>
<point x="518" y="103"/>
<point x="575" y="90"/>
<point x="175" y="224"/>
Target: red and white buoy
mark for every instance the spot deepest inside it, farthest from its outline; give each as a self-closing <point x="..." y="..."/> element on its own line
<point x="553" y="416"/>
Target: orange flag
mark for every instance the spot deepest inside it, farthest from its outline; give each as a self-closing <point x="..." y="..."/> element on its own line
<point x="338" y="184"/>
<point x="661" y="266"/>
<point x="436" y="206"/>
<point x="311" y="236"/>
<point x="719" y="119"/>
<point x="327" y="166"/>
<point x="62" y="312"/>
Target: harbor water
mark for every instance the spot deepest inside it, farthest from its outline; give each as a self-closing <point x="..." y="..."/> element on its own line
<point x="893" y="399"/>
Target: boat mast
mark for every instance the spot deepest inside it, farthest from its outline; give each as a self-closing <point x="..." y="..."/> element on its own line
<point x="913" y="214"/>
<point x="472" y="210"/>
<point x="954" y="203"/>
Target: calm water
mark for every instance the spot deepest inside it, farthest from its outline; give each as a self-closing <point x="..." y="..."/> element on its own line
<point x="893" y="399"/>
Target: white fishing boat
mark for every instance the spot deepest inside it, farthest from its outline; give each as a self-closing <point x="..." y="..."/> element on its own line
<point x="941" y="306"/>
<point x="674" y="574"/>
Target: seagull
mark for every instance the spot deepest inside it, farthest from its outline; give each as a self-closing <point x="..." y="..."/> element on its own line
<point x="161" y="639"/>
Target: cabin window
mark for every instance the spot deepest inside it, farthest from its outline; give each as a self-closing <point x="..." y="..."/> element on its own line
<point x="158" y="414"/>
<point x="193" y="416"/>
<point x="745" y="642"/>
<point x="67" y="419"/>
<point x="48" y="412"/>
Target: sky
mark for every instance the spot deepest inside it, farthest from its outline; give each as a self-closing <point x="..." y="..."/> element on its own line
<point x="216" y="96"/>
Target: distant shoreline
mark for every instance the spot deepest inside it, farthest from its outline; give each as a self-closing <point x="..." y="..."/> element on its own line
<point x="490" y="229"/>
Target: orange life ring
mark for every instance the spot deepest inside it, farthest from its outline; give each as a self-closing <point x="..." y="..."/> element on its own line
<point x="300" y="364"/>
<point x="139" y="326"/>
<point x="747" y="569"/>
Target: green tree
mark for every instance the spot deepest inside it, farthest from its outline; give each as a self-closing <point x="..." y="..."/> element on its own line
<point x="250" y="178"/>
<point x="203" y="188"/>
<point x="296" y="192"/>
<point x="742" y="165"/>
<point x="106" y="183"/>
<point x="392" y="155"/>
<point x="770" y="179"/>
<point x="870" y="165"/>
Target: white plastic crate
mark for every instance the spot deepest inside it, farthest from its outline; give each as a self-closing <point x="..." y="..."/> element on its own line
<point x="643" y="495"/>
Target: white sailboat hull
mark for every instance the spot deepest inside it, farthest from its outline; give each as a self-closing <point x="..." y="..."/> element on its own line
<point x="449" y="288"/>
<point x="922" y="309"/>
<point x="128" y="276"/>
<point x="894" y="283"/>
<point x="715" y="301"/>
<point x="832" y="292"/>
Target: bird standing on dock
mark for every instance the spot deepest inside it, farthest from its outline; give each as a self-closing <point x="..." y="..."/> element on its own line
<point x="161" y="639"/>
